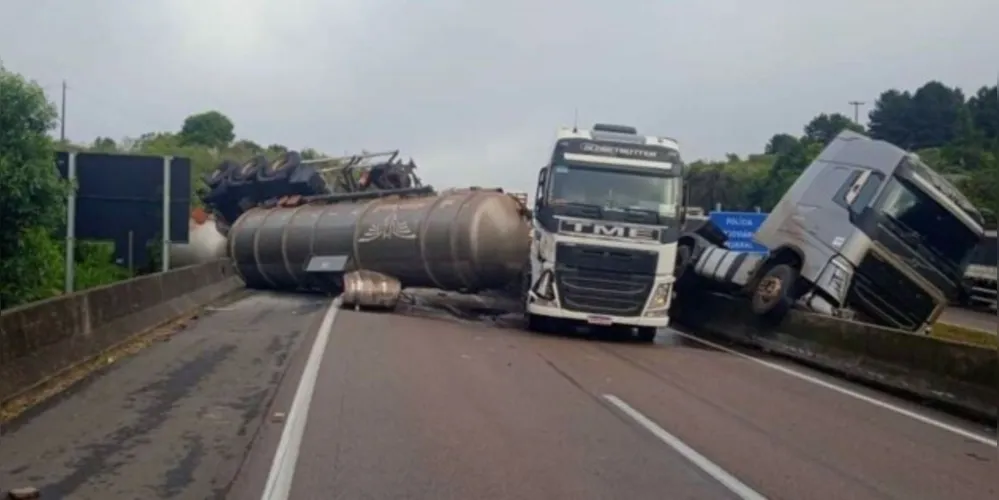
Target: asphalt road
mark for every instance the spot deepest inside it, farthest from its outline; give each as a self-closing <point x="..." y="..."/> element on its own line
<point x="173" y="421"/>
<point x="391" y="406"/>
<point x="421" y="408"/>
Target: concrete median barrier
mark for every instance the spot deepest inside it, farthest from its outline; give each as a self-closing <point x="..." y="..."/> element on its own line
<point x="958" y="374"/>
<point x="41" y="339"/>
<point x="961" y="333"/>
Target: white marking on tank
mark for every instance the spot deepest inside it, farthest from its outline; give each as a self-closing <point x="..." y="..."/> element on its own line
<point x="727" y="480"/>
<point x="849" y="392"/>
<point x="282" y="471"/>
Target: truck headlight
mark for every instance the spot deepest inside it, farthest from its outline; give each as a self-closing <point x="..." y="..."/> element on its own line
<point x="660" y="296"/>
<point x="546" y="247"/>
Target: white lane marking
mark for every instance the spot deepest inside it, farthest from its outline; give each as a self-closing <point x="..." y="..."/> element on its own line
<point x="848" y="392"/>
<point x="283" y="467"/>
<point x="729" y="481"/>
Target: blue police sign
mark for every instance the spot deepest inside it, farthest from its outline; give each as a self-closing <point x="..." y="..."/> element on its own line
<point x="740" y="227"/>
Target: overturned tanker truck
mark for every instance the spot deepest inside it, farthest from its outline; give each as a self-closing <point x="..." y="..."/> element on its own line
<point x="301" y="224"/>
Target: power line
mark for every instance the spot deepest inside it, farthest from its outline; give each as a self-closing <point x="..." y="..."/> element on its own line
<point x="62" y="115"/>
<point x="856" y="110"/>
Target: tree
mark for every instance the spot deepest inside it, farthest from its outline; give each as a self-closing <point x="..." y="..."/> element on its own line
<point x="984" y="110"/>
<point x="780" y="143"/>
<point x="824" y="128"/>
<point x="211" y="129"/>
<point x="889" y="120"/>
<point x="104" y="145"/>
<point x="935" y="116"/>
<point x="247" y="147"/>
<point x="276" y="149"/>
<point x="32" y="195"/>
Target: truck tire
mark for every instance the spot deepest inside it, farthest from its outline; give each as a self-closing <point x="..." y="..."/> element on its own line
<point x="539" y="324"/>
<point x="281" y="168"/>
<point x="646" y="334"/>
<point x="774" y="294"/>
<point x="218" y="176"/>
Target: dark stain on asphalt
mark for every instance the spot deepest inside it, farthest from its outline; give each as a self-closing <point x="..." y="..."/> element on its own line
<point x="104" y="458"/>
<point x="182" y="473"/>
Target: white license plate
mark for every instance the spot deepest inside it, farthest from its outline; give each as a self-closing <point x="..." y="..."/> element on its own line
<point x="599" y="320"/>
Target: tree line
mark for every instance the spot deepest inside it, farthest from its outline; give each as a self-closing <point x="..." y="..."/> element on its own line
<point x="957" y="135"/>
<point x="33" y="194"/>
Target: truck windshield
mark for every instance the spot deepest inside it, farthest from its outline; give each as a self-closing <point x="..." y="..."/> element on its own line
<point x="926" y="225"/>
<point x="615" y="189"/>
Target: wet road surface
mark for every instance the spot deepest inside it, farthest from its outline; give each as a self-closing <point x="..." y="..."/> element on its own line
<point x="422" y="408"/>
<point x="173" y="421"/>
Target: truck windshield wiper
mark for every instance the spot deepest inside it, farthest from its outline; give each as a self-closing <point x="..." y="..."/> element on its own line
<point x="587" y="209"/>
<point x="645" y="213"/>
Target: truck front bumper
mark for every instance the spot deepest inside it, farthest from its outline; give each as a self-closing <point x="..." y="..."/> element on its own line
<point x="556" y="312"/>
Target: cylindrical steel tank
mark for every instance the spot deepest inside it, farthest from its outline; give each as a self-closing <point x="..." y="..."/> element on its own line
<point x="460" y="240"/>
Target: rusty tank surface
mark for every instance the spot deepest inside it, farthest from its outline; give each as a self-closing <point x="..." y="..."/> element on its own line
<point x="461" y="240"/>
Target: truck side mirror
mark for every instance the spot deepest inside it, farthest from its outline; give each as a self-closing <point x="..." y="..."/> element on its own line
<point x="684" y="200"/>
<point x="539" y="196"/>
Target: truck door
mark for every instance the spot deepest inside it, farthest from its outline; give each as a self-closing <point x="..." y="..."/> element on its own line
<point x="817" y="211"/>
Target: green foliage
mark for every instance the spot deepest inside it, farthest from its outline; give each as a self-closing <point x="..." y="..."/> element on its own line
<point x="31" y="270"/>
<point x="31" y="192"/>
<point x="210" y="129"/>
<point x="823" y="128"/>
<point x="95" y="265"/>
<point x="104" y="145"/>
<point x="958" y="137"/>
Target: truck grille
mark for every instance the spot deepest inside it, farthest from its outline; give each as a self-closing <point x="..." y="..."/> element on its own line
<point x="888" y="296"/>
<point x="986" y="253"/>
<point x="602" y="280"/>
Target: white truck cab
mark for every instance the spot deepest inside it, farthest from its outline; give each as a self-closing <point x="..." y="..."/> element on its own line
<point x="606" y="222"/>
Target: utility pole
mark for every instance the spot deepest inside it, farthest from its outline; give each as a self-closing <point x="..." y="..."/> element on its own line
<point x="62" y="115"/>
<point x="856" y="110"/>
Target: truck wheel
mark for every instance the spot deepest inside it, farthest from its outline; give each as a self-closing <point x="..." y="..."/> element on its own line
<point x="774" y="295"/>
<point x="538" y="324"/>
<point x="646" y="334"/>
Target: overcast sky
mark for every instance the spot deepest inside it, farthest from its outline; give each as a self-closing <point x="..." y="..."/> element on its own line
<point x="474" y="90"/>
